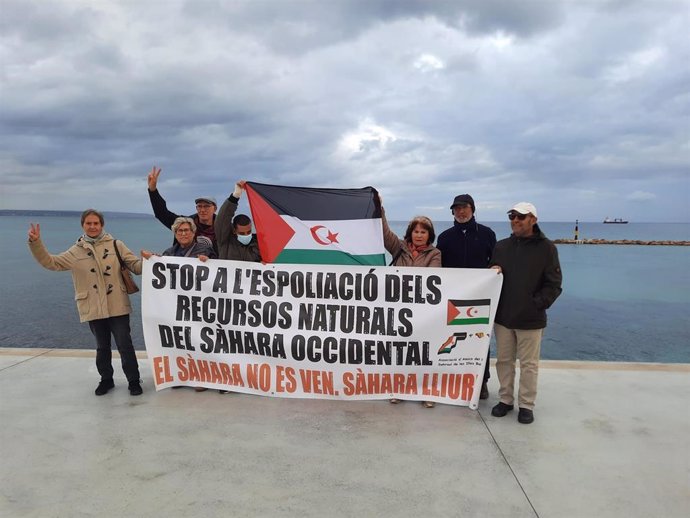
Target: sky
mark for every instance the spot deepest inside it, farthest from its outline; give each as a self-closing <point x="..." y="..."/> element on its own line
<point x="580" y="107"/>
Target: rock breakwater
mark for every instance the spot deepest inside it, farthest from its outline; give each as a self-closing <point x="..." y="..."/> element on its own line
<point x="619" y="242"/>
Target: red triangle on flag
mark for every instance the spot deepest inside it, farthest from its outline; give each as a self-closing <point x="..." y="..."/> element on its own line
<point x="272" y="231"/>
<point x="452" y="312"/>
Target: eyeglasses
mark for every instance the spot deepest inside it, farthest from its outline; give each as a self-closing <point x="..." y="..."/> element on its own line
<point x="521" y="217"/>
<point x="182" y="231"/>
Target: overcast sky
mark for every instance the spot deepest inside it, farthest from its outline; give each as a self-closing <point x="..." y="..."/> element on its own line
<point x="581" y="107"/>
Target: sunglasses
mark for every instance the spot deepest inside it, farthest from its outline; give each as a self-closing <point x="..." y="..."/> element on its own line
<point x="521" y="217"/>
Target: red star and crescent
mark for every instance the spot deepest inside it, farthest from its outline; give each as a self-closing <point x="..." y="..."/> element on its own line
<point x="331" y="238"/>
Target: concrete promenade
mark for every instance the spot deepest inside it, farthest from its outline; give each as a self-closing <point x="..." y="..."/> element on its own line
<point x="609" y="440"/>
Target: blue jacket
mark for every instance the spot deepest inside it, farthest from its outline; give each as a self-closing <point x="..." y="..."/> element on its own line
<point x="466" y="245"/>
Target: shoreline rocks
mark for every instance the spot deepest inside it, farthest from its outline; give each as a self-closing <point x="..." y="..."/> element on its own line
<point x="619" y="242"/>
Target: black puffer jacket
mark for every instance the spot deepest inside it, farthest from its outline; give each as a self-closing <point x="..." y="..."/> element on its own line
<point x="531" y="280"/>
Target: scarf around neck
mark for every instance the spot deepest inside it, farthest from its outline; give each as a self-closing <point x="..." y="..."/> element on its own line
<point x="416" y="250"/>
<point x="93" y="240"/>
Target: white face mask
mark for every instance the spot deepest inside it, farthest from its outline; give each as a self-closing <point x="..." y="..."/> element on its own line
<point x="245" y="240"/>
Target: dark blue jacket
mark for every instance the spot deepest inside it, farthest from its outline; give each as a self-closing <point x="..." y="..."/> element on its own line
<point x="466" y="245"/>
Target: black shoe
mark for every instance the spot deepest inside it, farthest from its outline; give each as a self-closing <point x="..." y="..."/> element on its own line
<point x="501" y="409"/>
<point x="525" y="416"/>
<point x="484" y="393"/>
<point x="135" y="388"/>
<point x="104" y="386"/>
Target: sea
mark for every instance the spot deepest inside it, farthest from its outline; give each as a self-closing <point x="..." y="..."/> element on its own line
<point x="619" y="303"/>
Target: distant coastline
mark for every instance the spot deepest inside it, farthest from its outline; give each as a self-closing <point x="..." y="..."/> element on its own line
<point x="54" y="213"/>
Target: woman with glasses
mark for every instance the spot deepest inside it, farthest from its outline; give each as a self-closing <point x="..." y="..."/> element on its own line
<point x="184" y="230"/>
<point x="101" y="296"/>
<point x="186" y="245"/>
<point x="205" y="210"/>
<point x="415" y="249"/>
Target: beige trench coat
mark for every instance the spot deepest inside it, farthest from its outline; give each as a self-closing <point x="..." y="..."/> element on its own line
<point x="98" y="287"/>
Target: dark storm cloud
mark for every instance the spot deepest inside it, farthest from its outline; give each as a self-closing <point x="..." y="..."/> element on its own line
<point x="574" y="105"/>
<point x="303" y="25"/>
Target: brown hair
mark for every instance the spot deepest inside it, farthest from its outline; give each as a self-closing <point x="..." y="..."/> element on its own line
<point x="89" y="212"/>
<point x="425" y="223"/>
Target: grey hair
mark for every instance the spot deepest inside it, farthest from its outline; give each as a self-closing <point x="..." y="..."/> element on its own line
<point x="181" y="221"/>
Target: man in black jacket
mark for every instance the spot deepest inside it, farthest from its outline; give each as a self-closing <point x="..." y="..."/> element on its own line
<point x="203" y="219"/>
<point x="531" y="283"/>
<point x="467" y="245"/>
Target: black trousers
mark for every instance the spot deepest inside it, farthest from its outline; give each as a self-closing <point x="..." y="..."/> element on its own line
<point x="487" y="375"/>
<point x="118" y="327"/>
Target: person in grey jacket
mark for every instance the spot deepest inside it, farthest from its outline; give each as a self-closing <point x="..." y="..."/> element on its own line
<point x="101" y="296"/>
<point x="184" y="230"/>
<point x="234" y="232"/>
<point x="531" y="283"/>
<point x="185" y="245"/>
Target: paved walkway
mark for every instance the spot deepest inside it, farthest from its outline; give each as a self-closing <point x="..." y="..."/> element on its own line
<point x="609" y="440"/>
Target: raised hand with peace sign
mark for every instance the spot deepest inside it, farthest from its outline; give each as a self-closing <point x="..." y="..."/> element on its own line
<point x="34" y="232"/>
<point x="153" y="178"/>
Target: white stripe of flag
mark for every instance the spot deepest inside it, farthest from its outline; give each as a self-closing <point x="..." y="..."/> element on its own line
<point x="352" y="236"/>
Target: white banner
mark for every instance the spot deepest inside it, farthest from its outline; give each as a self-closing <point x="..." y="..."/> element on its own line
<point x="319" y="331"/>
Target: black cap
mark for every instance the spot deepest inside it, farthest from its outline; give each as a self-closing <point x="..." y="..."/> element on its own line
<point x="463" y="198"/>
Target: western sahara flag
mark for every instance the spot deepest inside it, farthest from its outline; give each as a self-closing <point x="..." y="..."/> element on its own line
<point x="317" y="226"/>
<point x="467" y="312"/>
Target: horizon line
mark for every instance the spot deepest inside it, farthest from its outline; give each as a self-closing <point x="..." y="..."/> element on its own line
<point x="16" y="212"/>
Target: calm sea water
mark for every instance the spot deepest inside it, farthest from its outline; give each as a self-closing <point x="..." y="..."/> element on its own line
<point x="619" y="303"/>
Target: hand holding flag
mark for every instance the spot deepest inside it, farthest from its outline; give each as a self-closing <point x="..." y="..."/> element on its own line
<point x="317" y="226"/>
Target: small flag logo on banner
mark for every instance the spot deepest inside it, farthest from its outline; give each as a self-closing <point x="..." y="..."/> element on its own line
<point x="452" y="341"/>
<point x="468" y="312"/>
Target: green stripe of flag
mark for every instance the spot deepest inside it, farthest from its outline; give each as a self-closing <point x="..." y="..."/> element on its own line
<point x="467" y="321"/>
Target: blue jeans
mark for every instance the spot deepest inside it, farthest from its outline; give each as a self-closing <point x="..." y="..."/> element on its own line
<point x="119" y="328"/>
